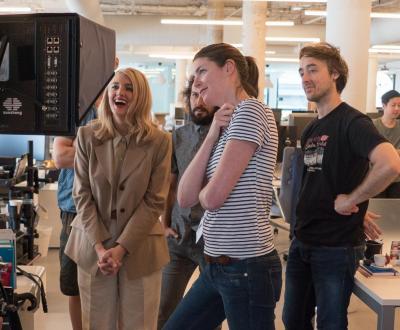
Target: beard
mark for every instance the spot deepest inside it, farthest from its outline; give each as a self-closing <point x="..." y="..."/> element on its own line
<point x="203" y="120"/>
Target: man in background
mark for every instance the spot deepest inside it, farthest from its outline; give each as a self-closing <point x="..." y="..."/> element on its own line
<point x="389" y="126"/>
<point x="329" y="236"/>
<point x="180" y="224"/>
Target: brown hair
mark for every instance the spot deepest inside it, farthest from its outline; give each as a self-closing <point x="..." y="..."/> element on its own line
<point x="187" y="92"/>
<point x="331" y="56"/>
<point x="246" y="66"/>
<point x="138" y="117"/>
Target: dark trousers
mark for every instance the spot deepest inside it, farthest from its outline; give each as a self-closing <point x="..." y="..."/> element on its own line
<point x="323" y="277"/>
<point x="176" y="275"/>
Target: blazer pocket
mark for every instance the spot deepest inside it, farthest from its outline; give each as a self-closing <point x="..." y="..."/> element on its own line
<point x="80" y="250"/>
<point x="72" y="249"/>
<point x="77" y="223"/>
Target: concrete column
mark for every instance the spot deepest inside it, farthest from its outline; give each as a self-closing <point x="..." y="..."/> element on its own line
<point x="253" y="37"/>
<point x="87" y="8"/>
<point x="371" y="91"/>
<point x="348" y="27"/>
<point x="180" y="80"/>
<point x="215" y="33"/>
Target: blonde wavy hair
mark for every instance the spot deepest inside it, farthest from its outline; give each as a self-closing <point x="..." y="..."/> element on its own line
<point x="138" y="117"/>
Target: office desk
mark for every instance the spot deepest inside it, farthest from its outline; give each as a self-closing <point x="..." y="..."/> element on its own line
<point x="24" y="284"/>
<point x="49" y="213"/>
<point x="381" y="294"/>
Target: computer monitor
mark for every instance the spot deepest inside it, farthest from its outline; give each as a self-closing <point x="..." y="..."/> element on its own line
<point x="389" y="210"/>
<point x="301" y="120"/>
<point x="17" y="145"/>
<point x="277" y="114"/>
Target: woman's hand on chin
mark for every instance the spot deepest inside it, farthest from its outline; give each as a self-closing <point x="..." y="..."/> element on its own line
<point x="222" y="118"/>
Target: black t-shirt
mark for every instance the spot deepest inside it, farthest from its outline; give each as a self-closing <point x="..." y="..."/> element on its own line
<point x="336" y="149"/>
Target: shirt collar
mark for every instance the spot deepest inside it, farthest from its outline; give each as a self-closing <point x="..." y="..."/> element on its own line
<point x="118" y="137"/>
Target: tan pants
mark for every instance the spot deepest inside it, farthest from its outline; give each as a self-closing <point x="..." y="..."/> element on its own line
<point x="114" y="302"/>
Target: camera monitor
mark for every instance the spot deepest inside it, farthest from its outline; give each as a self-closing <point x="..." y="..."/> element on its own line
<point x="52" y="69"/>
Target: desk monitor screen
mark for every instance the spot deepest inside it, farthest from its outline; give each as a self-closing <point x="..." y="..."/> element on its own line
<point x="389" y="210"/>
<point x="301" y="120"/>
<point x="17" y="145"/>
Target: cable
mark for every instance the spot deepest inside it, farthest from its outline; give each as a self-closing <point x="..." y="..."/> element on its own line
<point x="9" y="310"/>
<point x="39" y="284"/>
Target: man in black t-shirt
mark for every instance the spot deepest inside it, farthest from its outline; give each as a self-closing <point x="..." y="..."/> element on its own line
<point x="338" y="147"/>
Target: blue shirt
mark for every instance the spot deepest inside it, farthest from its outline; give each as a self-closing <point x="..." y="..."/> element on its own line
<point x="66" y="177"/>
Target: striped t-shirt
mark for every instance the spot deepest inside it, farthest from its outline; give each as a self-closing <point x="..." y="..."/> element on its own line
<point x="240" y="228"/>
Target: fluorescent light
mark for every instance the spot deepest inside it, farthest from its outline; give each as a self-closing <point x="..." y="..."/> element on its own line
<point x="282" y="59"/>
<point x="287" y="0"/>
<point x="373" y="15"/>
<point x="219" y="22"/>
<point x="385" y="15"/>
<point x="270" y="52"/>
<point x="201" y="22"/>
<point x="386" y="47"/>
<point x="173" y="56"/>
<point x="292" y="39"/>
<point x="15" y="9"/>
<point x="389" y="51"/>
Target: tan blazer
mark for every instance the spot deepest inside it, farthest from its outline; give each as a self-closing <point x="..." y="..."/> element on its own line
<point x="142" y="191"/>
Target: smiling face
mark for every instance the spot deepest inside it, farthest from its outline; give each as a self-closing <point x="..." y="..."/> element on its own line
<point x="318" y="83"/>
<point x="120" y="94"/>
<point x="209" y="81"/>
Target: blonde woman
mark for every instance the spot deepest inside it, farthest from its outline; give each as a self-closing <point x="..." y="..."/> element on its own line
<point x="121" y="181"/>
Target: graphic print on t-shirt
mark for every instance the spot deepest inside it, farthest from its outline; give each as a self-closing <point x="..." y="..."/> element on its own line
<point x="314" y="152"/>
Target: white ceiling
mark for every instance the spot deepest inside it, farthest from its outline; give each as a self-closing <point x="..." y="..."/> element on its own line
<point x="138" y="28"/>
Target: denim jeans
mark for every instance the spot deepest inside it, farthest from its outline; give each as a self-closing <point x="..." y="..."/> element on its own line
<point x="246" y="291"/>
<point x="176" y="275"/>
<point x="319" y="276"/>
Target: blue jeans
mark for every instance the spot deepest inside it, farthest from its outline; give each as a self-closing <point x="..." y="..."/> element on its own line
<point x="176" y="275"/>
<point x="246" y="291"/>
<point x="319" y="276"/>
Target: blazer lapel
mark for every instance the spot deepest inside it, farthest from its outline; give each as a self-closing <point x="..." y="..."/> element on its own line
<point x="104" y="154"/>
<point x="133" y="157"/>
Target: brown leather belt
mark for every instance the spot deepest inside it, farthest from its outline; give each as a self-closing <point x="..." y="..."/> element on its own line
<point x="220" y="260"/>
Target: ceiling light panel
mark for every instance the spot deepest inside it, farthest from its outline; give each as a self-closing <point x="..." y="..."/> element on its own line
<point x="219" y="22"/>
<point x="373" y="15"/>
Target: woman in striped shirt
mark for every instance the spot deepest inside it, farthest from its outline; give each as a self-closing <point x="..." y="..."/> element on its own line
<point x="231" y="176"/>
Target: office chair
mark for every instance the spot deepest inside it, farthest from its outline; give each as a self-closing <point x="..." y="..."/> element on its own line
<point x="292" y="170"/>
